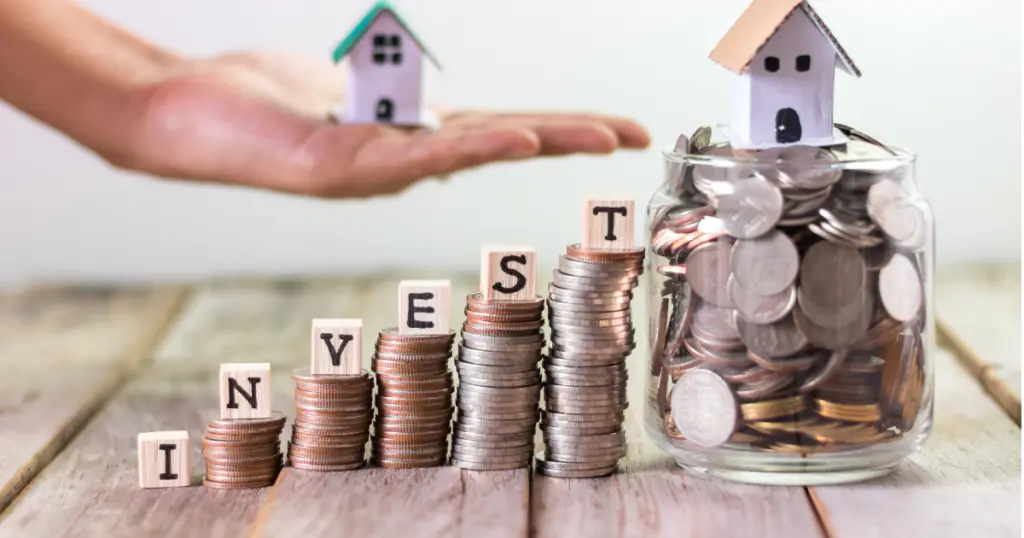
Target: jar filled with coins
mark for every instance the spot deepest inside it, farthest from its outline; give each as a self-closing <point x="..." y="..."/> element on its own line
<point x="790" y="310"/>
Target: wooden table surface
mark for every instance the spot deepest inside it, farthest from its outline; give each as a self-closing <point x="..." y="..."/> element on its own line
<point x="85" y="369"/>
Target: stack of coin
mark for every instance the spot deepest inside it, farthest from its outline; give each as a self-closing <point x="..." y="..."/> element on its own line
<point x="499" y="384"/>
<point x="243" y="453"/>
<point x="332" y="421"/>
<point x="414" y="399"/>
<point x="800" y="285"/>
<point x="585" y="370"/>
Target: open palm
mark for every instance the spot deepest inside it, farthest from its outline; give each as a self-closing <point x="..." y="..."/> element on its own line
<point x="263" y="120"/>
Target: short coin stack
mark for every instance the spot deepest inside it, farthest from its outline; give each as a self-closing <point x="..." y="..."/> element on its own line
<point x="243" y="453"/>
<point x="499" y="384"/>
<point x="585" y="370"/>
<point x="332" y="421"/>
<point x="414" y="399"/>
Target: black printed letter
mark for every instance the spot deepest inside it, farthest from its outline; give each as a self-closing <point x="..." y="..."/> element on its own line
<point x="411" y="320"/>
<point x="520" y="278"/>
<point x="336" y="353"/>
<point x="167" y="474"/>
<point x="250" y="397"/>
<point x="611" y="211"/>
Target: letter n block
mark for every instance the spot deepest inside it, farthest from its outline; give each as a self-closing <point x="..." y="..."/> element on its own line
<point x="608" y="224"/>
<point x="164" y="460"/>
<point x="508" y="273"/>
<point x="245" y="390"/>
<point x="424" y="307"/>
<point x="337" y="347"/>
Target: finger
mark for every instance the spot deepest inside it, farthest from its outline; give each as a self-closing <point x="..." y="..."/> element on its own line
<point x="575" y="137"/>
<point x="629" y="133"/>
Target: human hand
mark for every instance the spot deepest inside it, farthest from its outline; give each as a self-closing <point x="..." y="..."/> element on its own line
<point x="262" y="120"/>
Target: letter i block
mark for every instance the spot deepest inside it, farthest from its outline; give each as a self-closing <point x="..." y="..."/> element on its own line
<point x="608" y="224"/>
<point x="337" y="347"/>
<point x="245" y="390"/>
<point x="508" y="273"/>
<point x="164" y="460"/>
<point x="424" y="307"/>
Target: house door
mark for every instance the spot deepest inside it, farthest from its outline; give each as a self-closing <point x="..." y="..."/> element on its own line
<point x="787" y="126"/>
<point x="385" y="110"/>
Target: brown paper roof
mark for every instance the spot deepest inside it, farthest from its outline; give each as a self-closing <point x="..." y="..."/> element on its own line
<point x="758" y="24"/>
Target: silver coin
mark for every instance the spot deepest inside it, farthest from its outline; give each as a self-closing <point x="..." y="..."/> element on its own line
<point x="707" y="271"/>
<point x="496" y="358"/>
<point x="835" y="337"/>
<point x="554" y="289"/>
<point x="899" y="286"/>
<point x="500" y="346"/>
<point x="713" y="322"/>
<point x="482" y="422"/>
<point x="510" y="367"/>
<point x="500" y="413"/>
<point x="825" y="372"/>
<point x="487" y="466"/>
<point x="575" y="360"/>
<point x="498" y="383"/>
<point x="890" y="206"/>
<point x="522" y="441"/>
<point x="703" y="408"/>
<point x="595" y="270"/>
<point x="581" y="316"/>
<point x="832" y="275"/>
<point x="748" y="207"/>
<point x="808" y="167"/>
<point x="765" y="265"/>
<point x="779" y="339"/>
<point x="583" y="347"/>
<point x="761" y="309"/>
<point x="543" y="465"/>
<point x="592" y="305"/>
<point x="765" y="385"/>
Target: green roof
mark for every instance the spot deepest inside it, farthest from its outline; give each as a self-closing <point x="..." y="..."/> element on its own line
<point x="357" y="33"/>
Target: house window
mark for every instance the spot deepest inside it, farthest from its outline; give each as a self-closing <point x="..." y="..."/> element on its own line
<point x="387" y="48"/>
<point x="803" y="63"/>
<point x="771" y="64"/>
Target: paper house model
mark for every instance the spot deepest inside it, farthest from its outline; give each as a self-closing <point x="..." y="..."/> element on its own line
<point x="385" y="70"/>
<point x="786" y="59"/>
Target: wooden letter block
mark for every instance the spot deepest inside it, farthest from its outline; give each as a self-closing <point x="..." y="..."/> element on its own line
<point x="424" y="307"/>
<point x="608" y="224"/>
<point x="245" y="390"/>
<point x="337" y="347"/>
<point x="508" y="273"/>
<point x="163" y="460"/>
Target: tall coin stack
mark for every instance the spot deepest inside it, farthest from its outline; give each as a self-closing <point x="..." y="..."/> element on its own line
<point x="585" y="370"/>
<point x="414" y="399"/>
<point x="243" y="453"/>
<point x="332" y="421"/>
<point x="499" y="384"/>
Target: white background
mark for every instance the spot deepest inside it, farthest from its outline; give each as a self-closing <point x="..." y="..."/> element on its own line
<point x="941" y="77"/>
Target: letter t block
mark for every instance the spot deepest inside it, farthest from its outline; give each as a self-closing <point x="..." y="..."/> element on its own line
<point x="164" y="460"/>
<point x="424" y="307"/>
<point x="245" y="390"/>
<point x="608" y="224"/>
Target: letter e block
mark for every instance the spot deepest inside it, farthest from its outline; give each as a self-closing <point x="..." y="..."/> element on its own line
<point x="337" y="347"/>
<point x="245" y="390"/>
<point x="163" y="460"/>
<point x="608" y="224"/>
<point x="424" y="307"/>
<point x="508" y="273"/>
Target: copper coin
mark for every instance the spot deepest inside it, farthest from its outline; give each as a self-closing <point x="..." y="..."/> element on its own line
<point x="276" y="418"/>
<point x="328" y="468"/>
<point x="631" y="257"/>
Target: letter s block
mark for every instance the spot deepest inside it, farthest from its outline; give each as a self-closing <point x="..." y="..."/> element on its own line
<point x="608" y="224"/>
<point x="164" y="460"/>
<point x="245" y="390"/>
<point x="508" y="273"/>
<point x="424" y="307"/>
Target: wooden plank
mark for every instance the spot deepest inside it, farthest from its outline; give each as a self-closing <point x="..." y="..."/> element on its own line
<point x="965" y="482"/>
<point x="64" y="351"/>
<point x="652" y="497"/>
<point x="980" y="307"/>
<point x="91" y="488"/>
<point x="441" y="501"/>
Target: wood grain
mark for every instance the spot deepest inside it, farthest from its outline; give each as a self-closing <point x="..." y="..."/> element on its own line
<point x="652" y="497"/>
<point x="63" y="353"/>
<point x="91" y="488"/>
<point x="441" y="501"/>
<point x="965" y="482"/>
<point x="980" y="305"/>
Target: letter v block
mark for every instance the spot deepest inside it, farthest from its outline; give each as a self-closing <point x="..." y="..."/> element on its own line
<point x="164" y="460"/>
<point x="337" y="347"/>
<point x="508" y="273"/>
<point x="424" y="307"/>
<point x="245" y="390"/>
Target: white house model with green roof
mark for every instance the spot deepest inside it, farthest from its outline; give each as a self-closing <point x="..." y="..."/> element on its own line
<point x="385" y="62"/>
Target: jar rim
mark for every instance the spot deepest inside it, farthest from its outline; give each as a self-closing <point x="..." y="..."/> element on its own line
<point x="901" y="157"/>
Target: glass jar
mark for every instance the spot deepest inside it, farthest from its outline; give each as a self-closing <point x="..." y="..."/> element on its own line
<point x="790" y="305"/>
